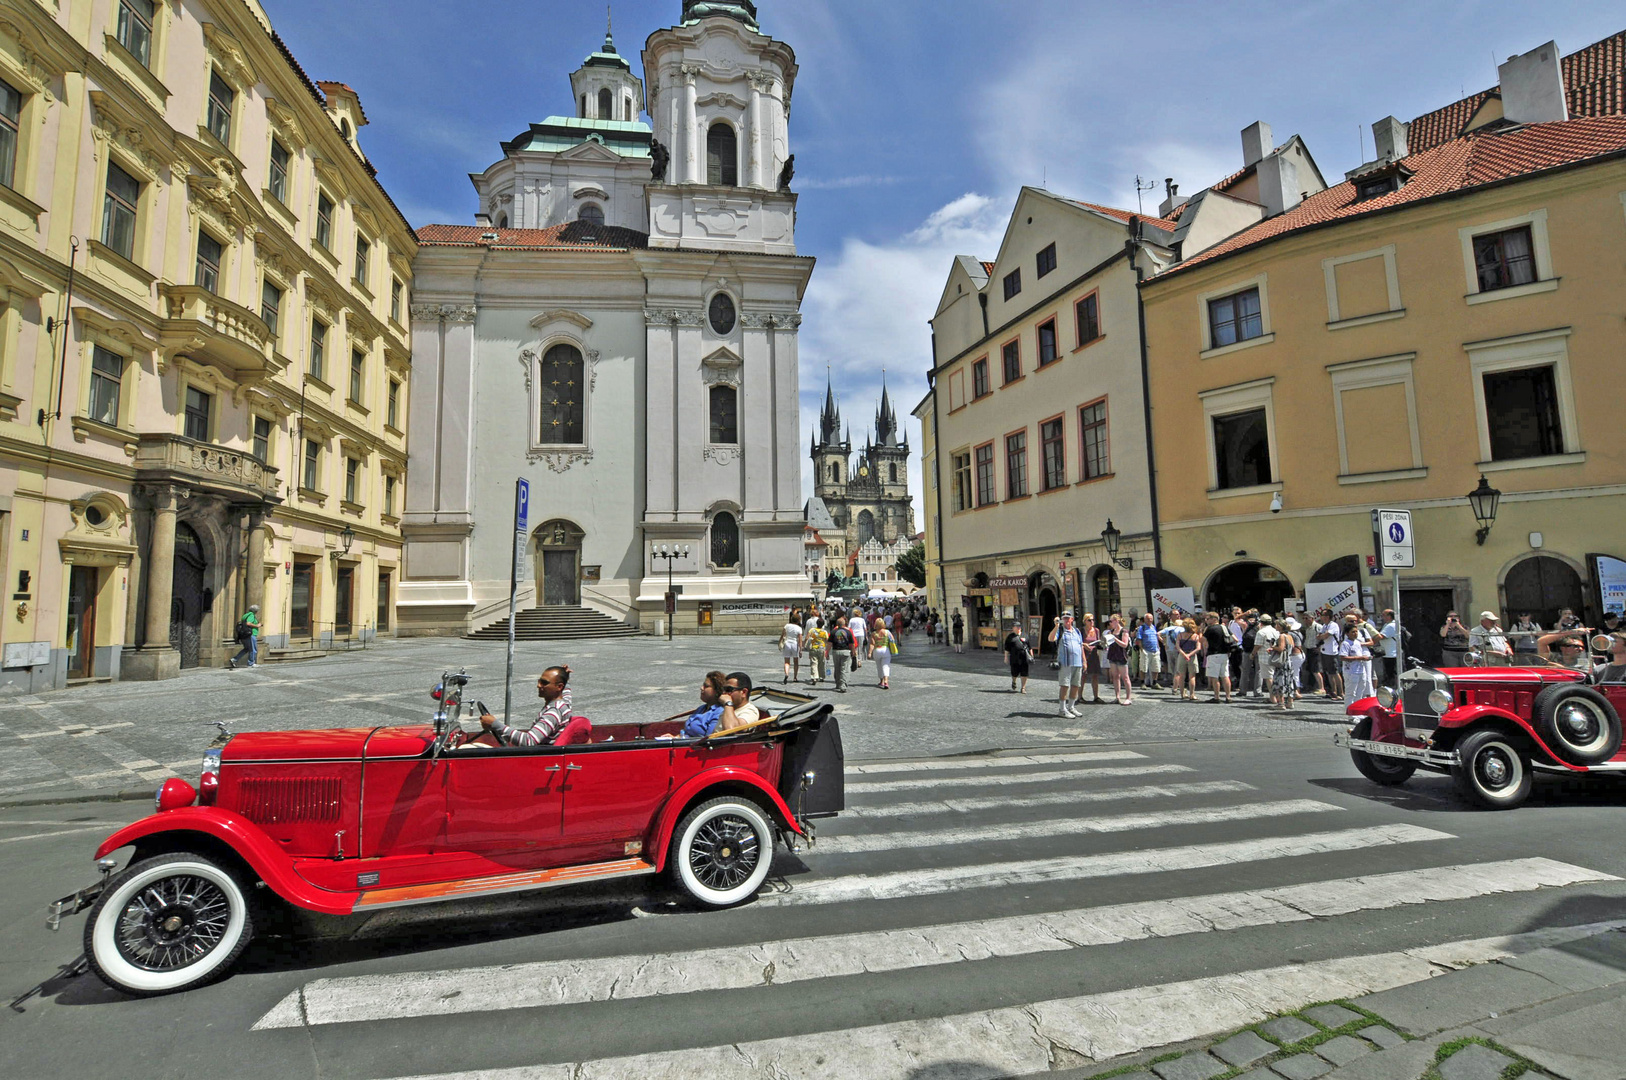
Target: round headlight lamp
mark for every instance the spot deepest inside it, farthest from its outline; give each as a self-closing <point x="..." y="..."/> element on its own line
<point x="1386" y="697"/>
<point x="173" y="794"/>
<point x="1439" y="700"/>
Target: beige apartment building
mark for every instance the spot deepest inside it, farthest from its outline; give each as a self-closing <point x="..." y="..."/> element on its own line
<point x="203" y="361"/>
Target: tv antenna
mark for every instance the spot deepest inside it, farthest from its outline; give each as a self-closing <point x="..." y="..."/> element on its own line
<point x="1142" y="186"/>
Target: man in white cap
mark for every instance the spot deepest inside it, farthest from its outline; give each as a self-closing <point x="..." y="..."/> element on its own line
<point x="1491" y="642"/>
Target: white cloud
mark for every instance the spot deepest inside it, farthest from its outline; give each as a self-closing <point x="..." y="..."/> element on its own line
<point x="867" y="309"/>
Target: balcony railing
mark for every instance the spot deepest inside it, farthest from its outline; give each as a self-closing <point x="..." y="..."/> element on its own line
<point x="187" y="460"/>
<point x="212" y="330"/>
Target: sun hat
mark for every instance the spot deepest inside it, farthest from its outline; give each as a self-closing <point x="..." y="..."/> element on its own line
<point x="1491" y="615"/>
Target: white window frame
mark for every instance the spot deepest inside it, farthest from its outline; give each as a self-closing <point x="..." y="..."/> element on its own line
<point x="1268" y="335"/>
<point x="559" y="328"/>
<point x="1240" y="398"/>
<point x="1540" y="249"/>
<point x="1366" y="374"/>
<point x="1539" y="349"/>
<point x="1329" y="268"/>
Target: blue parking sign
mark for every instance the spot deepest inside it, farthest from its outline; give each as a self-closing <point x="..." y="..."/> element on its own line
<point x="522" y="504"/>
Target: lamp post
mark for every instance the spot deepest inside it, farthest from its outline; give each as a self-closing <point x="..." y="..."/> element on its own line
<point x="1485" y="500"/>
<point x="670" y="553"/>
<point x="347" y="538"/>
<point x="1110" y="536"/>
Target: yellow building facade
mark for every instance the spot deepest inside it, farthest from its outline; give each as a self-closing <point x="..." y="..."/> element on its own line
<point x="203" y="362"/>
<point x="1440" y="317"/>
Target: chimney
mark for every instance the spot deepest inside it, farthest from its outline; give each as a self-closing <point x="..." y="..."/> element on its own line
<point x="1533" y="86"/>
<point x="1256" y="142"/>
<point x="1278" y="184"/>
<point x="482" y="220"/>
<point x="1389" y="137"/>
<point x="1171" y="199"/>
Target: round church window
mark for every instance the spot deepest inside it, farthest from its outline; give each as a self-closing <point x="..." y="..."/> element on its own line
<point x="722" y="313"/>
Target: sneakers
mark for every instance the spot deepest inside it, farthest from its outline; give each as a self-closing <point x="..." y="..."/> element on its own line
<point x="231" y="663"/>
<point x="1062" y="711"/>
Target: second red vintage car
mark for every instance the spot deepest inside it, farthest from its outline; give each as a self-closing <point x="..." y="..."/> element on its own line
<point x="1492" y="728"/>
<point x="363" y="819"/>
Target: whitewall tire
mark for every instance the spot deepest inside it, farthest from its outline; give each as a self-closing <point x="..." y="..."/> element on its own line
<point x="721" y="851"/>
<point x="166" y="924"/>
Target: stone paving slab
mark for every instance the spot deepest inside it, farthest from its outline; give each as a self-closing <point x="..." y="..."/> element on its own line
<point x="1344" y="1049"/>
<point x="1243" y="1048"/>
<point x="1459" y="998"/>
<point x="1587" y="964"/>
<point x="1583" y="1044"/>
<point x="1331" y="1016"/>
<point x="1474" y="1062"/>
<point x="1302" y="1067"/>
<point x="1193" y="1066"/>
<point x="1385" y="1038"/>
<point x="1288" y="1029"/>
<point x="1406" y="1062"/>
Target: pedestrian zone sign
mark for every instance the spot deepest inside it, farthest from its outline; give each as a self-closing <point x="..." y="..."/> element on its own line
<point x="1396" y="547"/>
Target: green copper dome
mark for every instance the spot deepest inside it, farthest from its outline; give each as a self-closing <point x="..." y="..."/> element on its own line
<point x="743" y="10"/>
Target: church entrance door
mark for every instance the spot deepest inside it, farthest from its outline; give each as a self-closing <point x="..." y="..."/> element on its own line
<point x="559" y="550"/>
<point x="189" y="598"/>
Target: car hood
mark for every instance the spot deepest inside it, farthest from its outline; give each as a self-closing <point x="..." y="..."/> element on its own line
<point x="1510" y="676"/>
<point x="335" y="744"/>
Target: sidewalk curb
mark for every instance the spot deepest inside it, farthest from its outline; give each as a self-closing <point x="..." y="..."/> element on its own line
<point x="66" y="799"/>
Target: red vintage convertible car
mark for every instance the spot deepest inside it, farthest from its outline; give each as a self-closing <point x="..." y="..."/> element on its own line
<point x="358" y="820"/>
<point x="1491" y="728"/>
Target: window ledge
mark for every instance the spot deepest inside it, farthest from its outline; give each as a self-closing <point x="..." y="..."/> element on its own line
<point x="130" y="66"/>
<point x="312" y="495"/>
<point x="1262" y="339"/>
<point x="389" y="519"/>
<point x="1053" y="490"/>
<point x="1531" y="462"/>
<point x="84" y="427"/>
<point x="361" y="287"/>
<point x="9" y="405"/>
<point x="1015" y="498"/>
<point x="318" y="380"/>
<point x="352" y="403"/>
<point x="283" y="212"/>
<point x="981" y="397"/>
<point x="207" y="137"/>
<point x="352" y="508"/>
<point x="1379" y="477"/>
<point x="987" y="505"/>
<point x="391" y="429"/>
<point x="135" y="270"/>
<point x="1095" y="479"/>
<point x="1093" y="341"/>
<point x="1048" y="364"/>
<point x="18" y="201"/>
<point x="1232" y="493"/>
<point x="1010" y="382"/>
<point x="319" y="249"/>
<point x="1363" y="320"/>
<point x="1529" y="289"/>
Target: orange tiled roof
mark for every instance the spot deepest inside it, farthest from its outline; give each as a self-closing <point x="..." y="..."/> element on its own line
<point x="573" y="235"/>
<point x="1475" y="159"/>
<point x="988" y="268"/>
<point x="1594" y="85"/>
<point x="1125" y="215"/>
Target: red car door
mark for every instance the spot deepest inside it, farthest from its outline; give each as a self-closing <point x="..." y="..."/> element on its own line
<point x="611" y="796"/>
<point x="505" y="802"/>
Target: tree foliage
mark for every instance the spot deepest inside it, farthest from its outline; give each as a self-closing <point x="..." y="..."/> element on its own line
<point x="911" y="565"/>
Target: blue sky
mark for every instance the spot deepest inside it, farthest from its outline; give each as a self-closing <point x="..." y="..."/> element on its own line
<point x="915" y="122"/>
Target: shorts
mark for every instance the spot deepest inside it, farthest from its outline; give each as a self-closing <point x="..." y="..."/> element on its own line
<point x="1151" y="661"/>
<point x="1185" y="665"/>
<point x="1218" y="666"/>
<point x="1068" y="675"/>
<point x="790" y="652"/>
<point x="1019" y="668"/>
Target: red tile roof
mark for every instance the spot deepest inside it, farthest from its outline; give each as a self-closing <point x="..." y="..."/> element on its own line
<point x="1125" y="215"/>
<point x="1474" y="160"/>
<point x="988" y="268"/>
<point x="1594" y="84"/>
<point x="573" y="235"/>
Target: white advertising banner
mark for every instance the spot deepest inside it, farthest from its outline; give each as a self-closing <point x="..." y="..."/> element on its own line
<point x="1611" y="584"/>
<point x="1173" y="600"/>
<point x="1341" y="596"/>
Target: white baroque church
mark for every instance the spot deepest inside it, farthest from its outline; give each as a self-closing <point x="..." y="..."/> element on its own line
<point x="619" y="326"/>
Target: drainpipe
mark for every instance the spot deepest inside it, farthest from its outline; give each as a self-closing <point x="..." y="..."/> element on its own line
<point x="982" y="298"/>
<point x="1133" y="246"/>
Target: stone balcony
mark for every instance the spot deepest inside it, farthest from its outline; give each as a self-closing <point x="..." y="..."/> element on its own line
<point x="220" y="469"/>
<point x="212" y="330"/>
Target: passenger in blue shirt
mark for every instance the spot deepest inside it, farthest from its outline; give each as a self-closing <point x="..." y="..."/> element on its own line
<point x="703" y="721"/>
<point x="1069" y="662"/>
<point x="1151" y="656"/>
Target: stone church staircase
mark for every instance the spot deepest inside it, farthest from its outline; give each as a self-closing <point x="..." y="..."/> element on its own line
<point x="557" y="624"/>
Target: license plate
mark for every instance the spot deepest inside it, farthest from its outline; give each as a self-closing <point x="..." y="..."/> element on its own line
<point x="72" y="904"/>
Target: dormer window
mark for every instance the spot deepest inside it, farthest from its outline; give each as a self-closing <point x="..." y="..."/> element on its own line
<point x="590" y="214"/>
<point x="1377" y="186"/>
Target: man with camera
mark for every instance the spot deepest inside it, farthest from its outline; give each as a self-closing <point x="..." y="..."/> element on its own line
<point x="1453" y="640"/>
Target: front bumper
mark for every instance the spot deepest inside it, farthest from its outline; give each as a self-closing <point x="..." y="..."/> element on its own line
<point x="1438" y="758"/>
<point x="73" y="903"/>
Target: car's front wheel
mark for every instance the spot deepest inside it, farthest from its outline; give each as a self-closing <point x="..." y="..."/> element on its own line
<point x="1388" y="771"/>
<point x="1493" y="771"/>
<point x="721" y="851"/>
<point x="168" y="923"/>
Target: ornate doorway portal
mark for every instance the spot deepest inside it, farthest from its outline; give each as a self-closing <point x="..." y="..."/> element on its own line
<point x="558" y="564"/>
<point x="189" y="599"/>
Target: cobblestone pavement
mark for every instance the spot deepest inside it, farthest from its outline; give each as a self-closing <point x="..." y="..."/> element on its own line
<point x="113" y="737"/>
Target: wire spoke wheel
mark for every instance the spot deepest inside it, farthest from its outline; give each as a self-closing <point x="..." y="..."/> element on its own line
<point x="724" y="852"/>
<point x="173" y="922"/>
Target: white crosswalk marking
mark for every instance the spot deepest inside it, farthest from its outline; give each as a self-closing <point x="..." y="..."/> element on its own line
<point x="1001" y="779"/>
<point x="1049" y="798"/>
<point x="1046" y="1035"/>
<point x="520" y="986"/>
<point x="1003" y="761"/>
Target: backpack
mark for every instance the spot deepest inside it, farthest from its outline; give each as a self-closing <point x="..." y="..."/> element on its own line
<point x="245" y="629"/>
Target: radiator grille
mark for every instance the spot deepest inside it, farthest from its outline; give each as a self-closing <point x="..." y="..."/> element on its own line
<point x="276" y="801"/>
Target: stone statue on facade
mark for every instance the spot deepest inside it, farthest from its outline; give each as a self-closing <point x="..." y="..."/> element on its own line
<point x="659" y="158"/>
<point x="787" y="173"/>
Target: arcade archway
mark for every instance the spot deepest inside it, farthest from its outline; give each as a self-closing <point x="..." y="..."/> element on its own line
<point x="1247" y="584"/>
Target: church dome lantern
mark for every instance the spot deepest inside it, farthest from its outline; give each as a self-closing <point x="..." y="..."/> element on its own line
<point x="743" y="10"/>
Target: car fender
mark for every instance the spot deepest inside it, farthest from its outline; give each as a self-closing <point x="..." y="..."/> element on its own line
<point x="1465" y="717"/>
<point x="247" y="840"/>
<point x="1386" y="726"/>
<point x="1362" y="706"/>
<point x="696" y="785"/>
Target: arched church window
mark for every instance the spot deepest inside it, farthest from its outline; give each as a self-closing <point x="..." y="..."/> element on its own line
<point x="590" y="214"/>
<point x="626" y="104"/>
<point x="605" y="111"/>
<point x="725" y="540"/>
<point x="722" y="156"/>
<point x="721" y="313"/>
<point x="835" y="473"/>
<point x="892" y="472"/>
<point x="584" y="107"/>
<point x="502" y="221"/>
<point x="725" y="428"/>
<point x="562" y="395"/>
<point x="866" y="527"/>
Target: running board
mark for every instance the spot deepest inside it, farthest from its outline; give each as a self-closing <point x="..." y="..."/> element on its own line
<point x="402" y="896"/>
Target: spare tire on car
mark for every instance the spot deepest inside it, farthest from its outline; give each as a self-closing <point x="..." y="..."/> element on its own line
<point x="1578" y="723"/>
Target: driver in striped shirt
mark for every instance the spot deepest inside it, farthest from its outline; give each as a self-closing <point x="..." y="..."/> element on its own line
<point x="553" y="687"/>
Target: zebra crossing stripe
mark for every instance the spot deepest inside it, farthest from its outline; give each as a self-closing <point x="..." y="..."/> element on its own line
<point x="571" y="982"/>
<point x="1007" y="761"/>
<point x="1000" y="779"/>
<point x="1049" y="798"/>
<point x="852" y="844"/>
<point x="908" y="883"/>
<point x="1049" y="1035"/>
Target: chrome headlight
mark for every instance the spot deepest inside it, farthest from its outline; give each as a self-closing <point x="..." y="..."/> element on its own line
<point x="1439" y="700"/>
<point x="1386" y="697"/>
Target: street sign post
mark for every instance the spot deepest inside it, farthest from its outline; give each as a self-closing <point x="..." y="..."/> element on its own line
<point x="1396" y="551"/>
<point x="522" y="514"/>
